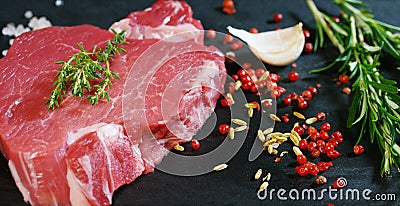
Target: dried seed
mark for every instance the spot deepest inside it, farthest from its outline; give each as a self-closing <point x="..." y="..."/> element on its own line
<point x="267" y="177"/>
<point x="294" y="139"/>
<point x="311" y="120"/>
<point x="274" y="152"/>
<point x="229" y="95"/>
<point x="220" y="167"/>
<point x="269" y="142"/>
<point x="263" y="186"/>
<point x="251" y="105"/>
<point x="179" y="148"/>
<point x="283" y="153"/>
<point x="258" y="174"/>
<point x="261" y="136"/>
<point x="281" y="139"/>
<point x="287" y="134"/>
<point x="238" y="84"/>
<point x="231" y="133"/>
<point x="274" y="117"/>
<point x="299" y="115"/>
<point x="250" y="112"/>
<point x="239" y="122"/>
<point x="275" y="134"/>
<point x="270" y="149"/>
<point x="268" y="131"/>
<point x="241" y="128"/>
<point x="297" y="150"/>
<point x="264" y="76"/>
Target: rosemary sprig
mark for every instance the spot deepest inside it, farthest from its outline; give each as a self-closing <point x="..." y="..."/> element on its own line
<point x="77" y="74"/>
<point x="361" y="40"/>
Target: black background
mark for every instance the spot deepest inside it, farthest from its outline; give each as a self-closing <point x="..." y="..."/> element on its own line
<point x="235" y="186"/>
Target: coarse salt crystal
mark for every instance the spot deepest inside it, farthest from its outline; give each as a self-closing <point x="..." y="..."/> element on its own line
<point x="28" y="14"/>
<point x="4" y="52"/>
<point x="59" y="3"/>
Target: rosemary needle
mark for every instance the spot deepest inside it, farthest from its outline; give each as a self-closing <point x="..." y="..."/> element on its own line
<point x="361" y="40"/>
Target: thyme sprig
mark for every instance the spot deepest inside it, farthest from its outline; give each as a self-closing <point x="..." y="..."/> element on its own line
<point x="361" y="40"/>
<point x="79" y="73"/>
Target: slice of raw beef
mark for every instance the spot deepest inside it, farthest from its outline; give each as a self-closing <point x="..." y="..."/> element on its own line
<point x="79" y="154"/>
<point x="162" y="20"/>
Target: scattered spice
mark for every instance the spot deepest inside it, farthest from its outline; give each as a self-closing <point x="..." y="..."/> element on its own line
<point x="220" y="167"/>
<point x="347" y="90"/>
<point x="179" y="148"/>
<point x="321" y="180"/>
<point x="258" y="174"/>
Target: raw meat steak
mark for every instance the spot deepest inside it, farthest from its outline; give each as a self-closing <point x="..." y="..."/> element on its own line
<point x="162" y="20"/>
<point x="79" y="154"/>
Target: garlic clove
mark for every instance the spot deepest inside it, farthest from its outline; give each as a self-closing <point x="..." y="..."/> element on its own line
<point x="278" y="48"/>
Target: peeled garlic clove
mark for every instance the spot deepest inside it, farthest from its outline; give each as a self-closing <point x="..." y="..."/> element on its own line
<point x="278" y="48"/>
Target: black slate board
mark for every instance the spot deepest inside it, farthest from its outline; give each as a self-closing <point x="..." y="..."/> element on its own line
<point x="235" y="185"/>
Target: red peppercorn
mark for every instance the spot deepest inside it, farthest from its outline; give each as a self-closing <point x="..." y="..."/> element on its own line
<point x="241" y="73"/>
<point x="313" y="169"/>
<point x="274" y="77"/>
<point x="308" y="47"/>
<point x="293" y="76"/>
<point x="278" y="159"/>
<point x="358" y="149"/>
<point x="347" y="90"/>
<point x="226" y="102"/>
<point x="195" y="144"/>
<point x="306" y="94"/>
<point x="321" y="144"/>
<point x="337" y="135"/>
<point x="333" y="154"/>
<point x="300" y="130"/>
<point x="321" y="116"/>
<point x="224" y="129"/>
<point x="278" y="17"/>
<point x="282" y="90"/>
<point x="316" y="153"/>
<point x="336" y="19"/>
<point x="302" y="170"/>
<point x="329" y="147"/>
<point x="236" y="45"/>
<point x="211" y="34"/>
<point x="287" y="101"/>
<point x="303" y="144"/>
<point x="311" y="146"/>
<point x="285" y="119"/>
<point x="253" y="30"/>
<point x="311" y="130"/>
<point x="230" y="87"/>
<point x="302" y="104"/>
<point x="259" y="72"/>
<point x="344" y="79"/>
<point x="313" y="90"/>
<point x="235" y="77"/>
<point x="254" y="89"/>
<point x="228" y="7"/>
<point x="314" y="136"/>
<point x="306" y="33"/>
<point x="228" y="39"/>
<point x="301" y="159"/>
<point x="323" y="135"/>
<point x="333" y="142"/>
<point x="325" y="126"/>
<point x="322" y="166"/>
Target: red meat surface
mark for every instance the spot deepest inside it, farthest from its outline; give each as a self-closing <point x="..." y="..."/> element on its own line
<point x="80" y="154"/>
<point x="162" y="20"/>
